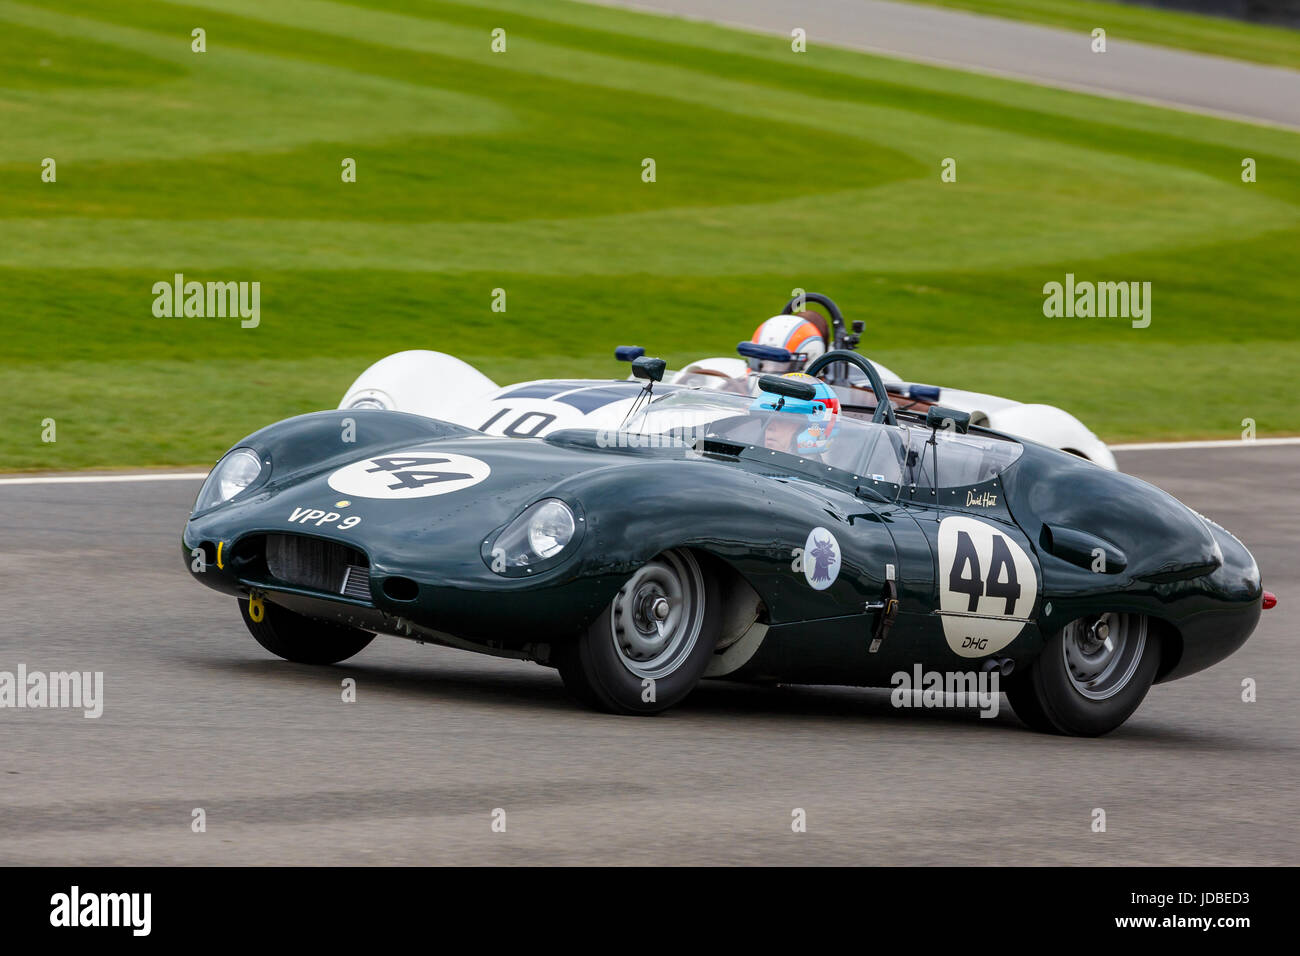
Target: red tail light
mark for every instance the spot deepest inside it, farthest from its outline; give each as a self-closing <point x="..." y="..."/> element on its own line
<point x="1270" y="600"/>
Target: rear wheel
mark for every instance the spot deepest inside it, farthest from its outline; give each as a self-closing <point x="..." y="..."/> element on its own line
<point x="1091" y="675"/>
<point x="649" y="647"/>
<point x="301" y="639"/>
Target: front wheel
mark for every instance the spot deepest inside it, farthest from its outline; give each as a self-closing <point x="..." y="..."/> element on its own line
<point x="1091" y="675"/>
<point x="649" y="647"/>
<point x="301" y="639"/>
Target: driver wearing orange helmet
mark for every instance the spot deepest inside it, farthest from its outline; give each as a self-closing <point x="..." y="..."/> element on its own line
<point x="804" y="335"/>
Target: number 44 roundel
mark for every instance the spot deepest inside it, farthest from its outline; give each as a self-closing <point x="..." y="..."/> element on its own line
<point x="417" y="473"/>
<point x="987" y="586"/>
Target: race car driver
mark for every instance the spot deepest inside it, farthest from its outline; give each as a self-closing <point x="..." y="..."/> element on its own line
<point x="804" y="335"/>
<point x="796" y="426"/>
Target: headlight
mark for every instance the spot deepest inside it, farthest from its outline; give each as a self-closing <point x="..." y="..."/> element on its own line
<point x="541" y="533"/>
<point x="233" y="474"/>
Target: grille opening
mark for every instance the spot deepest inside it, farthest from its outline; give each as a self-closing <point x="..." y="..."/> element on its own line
<point x="247" y="557"/>
<point x="356" y="582"/>
<point x="314" y="563"/>
<point x="401" y="589"/>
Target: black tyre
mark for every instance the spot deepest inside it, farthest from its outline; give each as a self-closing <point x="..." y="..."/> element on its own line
<point x="300" y="639"/>
<point x="1091" y="675"/>
<point x="649" y="647"/>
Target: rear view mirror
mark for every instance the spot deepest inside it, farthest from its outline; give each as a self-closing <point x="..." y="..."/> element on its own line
<point x="764" y="353"/>
<point x="947" y="418"/>
<point x="651" y="369"/>
<point x="789" y="387"/>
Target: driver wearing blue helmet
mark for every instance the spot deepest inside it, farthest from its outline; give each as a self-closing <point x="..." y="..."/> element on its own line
<point x="797" y="426"/>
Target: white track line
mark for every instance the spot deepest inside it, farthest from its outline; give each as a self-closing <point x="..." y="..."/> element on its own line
<point x="1225" y="443"/>
<point x="102" y="479"/>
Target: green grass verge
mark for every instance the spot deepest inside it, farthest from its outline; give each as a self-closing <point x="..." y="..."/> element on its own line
<point x="522" y="171"/>
<point x="1222" y="36"/>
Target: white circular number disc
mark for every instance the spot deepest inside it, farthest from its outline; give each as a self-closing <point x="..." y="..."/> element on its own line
<point x="982" y="571"/>
<point x="417" y="473"/>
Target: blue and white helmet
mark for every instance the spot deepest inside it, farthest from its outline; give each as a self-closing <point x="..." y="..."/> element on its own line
<point x="820" y="413"/>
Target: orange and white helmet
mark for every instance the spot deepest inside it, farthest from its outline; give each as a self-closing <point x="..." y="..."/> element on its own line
<point x="794" y="333"/>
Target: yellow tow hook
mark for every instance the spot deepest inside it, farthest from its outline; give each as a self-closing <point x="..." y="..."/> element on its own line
<point x="256" y="610"/>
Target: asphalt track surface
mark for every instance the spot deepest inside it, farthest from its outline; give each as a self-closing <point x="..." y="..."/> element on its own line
<point x="197" y="715"/>
<point x="1044" y="55"/>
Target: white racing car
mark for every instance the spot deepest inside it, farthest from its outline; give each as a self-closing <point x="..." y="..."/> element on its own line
<point x="442" y="386"/>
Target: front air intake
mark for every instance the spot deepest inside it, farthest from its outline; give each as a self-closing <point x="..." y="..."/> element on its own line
<point x="356" y="582"/>
<point x="319" y="565"/>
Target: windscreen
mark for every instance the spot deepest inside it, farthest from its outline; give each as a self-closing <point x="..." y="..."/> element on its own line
<point x="904" y="454"/>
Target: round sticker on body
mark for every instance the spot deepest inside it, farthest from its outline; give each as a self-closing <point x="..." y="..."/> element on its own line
<point x="821" y="559"/>
<point x="987" y="586"/>
<point x="409" y="474"/>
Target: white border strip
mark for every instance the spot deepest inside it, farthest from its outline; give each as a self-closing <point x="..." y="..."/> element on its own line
<point x="1223" y="443"/>
<point x="102" y="479"/>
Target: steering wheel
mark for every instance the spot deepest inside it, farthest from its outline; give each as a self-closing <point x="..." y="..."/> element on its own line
<point x="884" y="407"/>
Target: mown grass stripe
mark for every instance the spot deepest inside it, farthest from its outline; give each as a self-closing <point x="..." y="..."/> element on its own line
<point x="823" y="175"/>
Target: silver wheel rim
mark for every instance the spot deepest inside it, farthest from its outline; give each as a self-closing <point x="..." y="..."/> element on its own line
<point x="1102" y="653"/>
<point x="657" y="615"/>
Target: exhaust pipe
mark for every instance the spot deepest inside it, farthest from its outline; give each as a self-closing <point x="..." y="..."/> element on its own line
<point x="1003" y="665"/>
